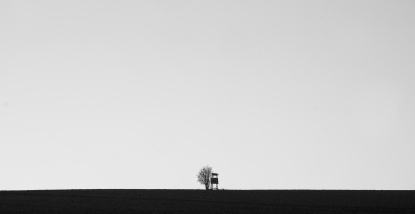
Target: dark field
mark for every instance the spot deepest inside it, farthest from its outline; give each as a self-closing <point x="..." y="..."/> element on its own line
<point x="202" y="201"/>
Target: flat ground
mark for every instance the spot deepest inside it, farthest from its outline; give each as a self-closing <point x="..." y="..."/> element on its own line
<point x="202" y="201"/>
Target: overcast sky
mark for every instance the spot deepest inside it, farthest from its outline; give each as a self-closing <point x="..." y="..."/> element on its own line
<point x="271" y="94"/>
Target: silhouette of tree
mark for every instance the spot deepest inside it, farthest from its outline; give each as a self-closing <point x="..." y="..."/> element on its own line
<point x="204" y="176"/>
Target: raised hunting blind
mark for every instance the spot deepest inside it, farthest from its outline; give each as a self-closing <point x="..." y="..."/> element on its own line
<point x="214" y="180"/>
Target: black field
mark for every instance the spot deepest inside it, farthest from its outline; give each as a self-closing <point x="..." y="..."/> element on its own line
<point x="202" y="201"/>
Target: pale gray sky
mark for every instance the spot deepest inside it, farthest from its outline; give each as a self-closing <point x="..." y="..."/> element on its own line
<point x="271" y="94"/>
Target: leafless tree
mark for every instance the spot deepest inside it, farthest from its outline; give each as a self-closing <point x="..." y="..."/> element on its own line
<point x="204" y="176"/>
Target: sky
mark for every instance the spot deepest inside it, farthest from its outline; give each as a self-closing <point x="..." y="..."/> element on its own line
<point x="270" y="94"/>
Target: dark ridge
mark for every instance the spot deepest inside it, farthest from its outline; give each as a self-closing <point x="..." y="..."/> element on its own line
<point x="202" y="201"/>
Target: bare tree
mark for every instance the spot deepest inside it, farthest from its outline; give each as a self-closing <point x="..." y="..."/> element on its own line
<point x="204" y="176"/>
